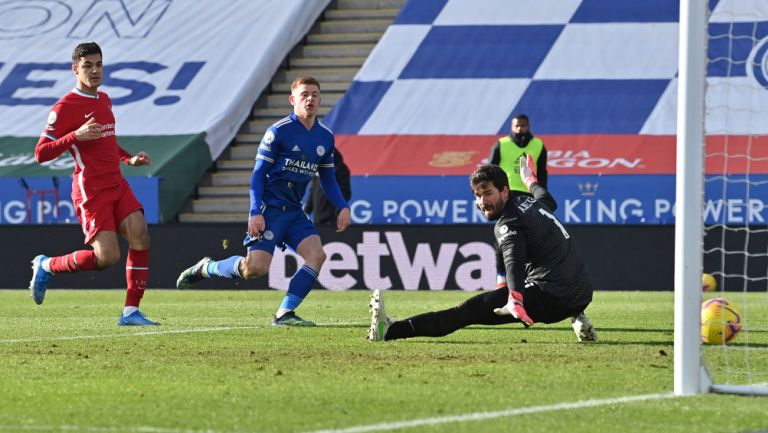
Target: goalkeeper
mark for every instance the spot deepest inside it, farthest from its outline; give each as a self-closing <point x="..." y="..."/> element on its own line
<point x="546" y="277"/>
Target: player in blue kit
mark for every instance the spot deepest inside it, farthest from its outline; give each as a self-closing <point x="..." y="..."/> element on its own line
<point x="292" y="151"/>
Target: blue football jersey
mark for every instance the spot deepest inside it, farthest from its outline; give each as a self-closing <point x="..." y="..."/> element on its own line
<point x="295" y="154"/>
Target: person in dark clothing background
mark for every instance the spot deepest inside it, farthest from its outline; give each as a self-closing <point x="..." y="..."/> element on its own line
<point x="507" y="150"/>
<point x="317" y="203"/>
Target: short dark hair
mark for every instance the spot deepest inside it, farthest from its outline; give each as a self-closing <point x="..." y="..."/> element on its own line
<point x="85" y="49"/>
<point x="306" y="80"/>
<point x="488" y="173"/>
<point x="521" y="116"/>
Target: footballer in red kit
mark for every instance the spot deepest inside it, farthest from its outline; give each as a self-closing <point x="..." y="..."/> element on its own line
<point x="82" y="123"/>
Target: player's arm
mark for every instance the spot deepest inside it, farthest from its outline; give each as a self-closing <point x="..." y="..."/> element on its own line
<point x="265" y="159"/>
<point x="514" y="252"/>
<point x="528" y="174"/>
<point x="141" y="158"/>
<point x="511" y="241"/>
<point x="495" y="156"/>
<point x="51" y="144"/>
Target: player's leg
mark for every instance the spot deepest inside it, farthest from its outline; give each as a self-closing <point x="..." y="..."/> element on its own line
<point x="477" y="310"/>
<point x="583" y="328"/>
<point x="133" y="228"/>
<point x="94" y="218"/>
<point x="302" y="237"/>
<point x="545" y="308"/>
<point x="254" y="265"/>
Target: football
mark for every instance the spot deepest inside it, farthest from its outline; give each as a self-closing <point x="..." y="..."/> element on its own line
<point x="708" y="283"/>
<point x="721" y="321"/>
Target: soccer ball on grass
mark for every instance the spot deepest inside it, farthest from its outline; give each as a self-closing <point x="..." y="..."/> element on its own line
<point x="721" y="321"/>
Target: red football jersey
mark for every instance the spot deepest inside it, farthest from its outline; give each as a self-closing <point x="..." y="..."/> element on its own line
<point x="97" y="162"/>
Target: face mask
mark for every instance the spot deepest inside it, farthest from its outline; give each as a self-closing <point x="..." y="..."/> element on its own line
<point x="521" y="139"/>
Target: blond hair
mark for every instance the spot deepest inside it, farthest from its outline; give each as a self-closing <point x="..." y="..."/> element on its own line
<point x="306" y="80"/>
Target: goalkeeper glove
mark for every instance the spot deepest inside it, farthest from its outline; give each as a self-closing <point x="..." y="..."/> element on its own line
<point x="515" y="308"/>
<point x="528" y="171"/>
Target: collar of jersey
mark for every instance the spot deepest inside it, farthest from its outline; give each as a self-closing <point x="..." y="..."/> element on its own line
<point x="296" y="119"/>
<point x="85" y="94"/>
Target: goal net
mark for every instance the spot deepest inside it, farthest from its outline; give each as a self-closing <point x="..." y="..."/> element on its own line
<point x="724" y="136"/>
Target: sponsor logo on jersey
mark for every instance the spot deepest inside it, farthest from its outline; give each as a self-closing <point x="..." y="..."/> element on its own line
<point x="296" y="148"/>
<point x="505" y="232"/>
<point x="298" y="163"/>
<point x="87" y="115"/>
<point x="304" y="168"/>
<point x="320" y="150"/>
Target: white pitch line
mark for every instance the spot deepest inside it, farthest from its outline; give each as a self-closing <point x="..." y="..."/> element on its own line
<point x="145" y="333"/>
<point x="479" y="416"/>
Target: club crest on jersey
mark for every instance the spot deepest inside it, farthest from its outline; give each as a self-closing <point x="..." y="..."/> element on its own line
<point x="320" y="151"/>
<point x="268" y="235"/>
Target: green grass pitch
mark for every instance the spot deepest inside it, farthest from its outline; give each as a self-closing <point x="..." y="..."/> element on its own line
<point x="217" y="366"/>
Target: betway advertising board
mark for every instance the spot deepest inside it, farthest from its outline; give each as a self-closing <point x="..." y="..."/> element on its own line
<point x="182" y="75"/>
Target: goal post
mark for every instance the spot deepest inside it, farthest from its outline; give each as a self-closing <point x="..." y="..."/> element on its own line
<point x="689" y="377"/>
<point x="721" y="213"/>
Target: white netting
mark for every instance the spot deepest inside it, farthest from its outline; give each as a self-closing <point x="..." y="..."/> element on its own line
<point x="736" y="187"/>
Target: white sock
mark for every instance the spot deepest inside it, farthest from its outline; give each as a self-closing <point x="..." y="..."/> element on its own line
<point x="127" y="311"/>
<point x="46" y="264"/>
<point x="281" y="312"/>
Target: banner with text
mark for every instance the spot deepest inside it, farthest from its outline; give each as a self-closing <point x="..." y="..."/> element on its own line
<point x="172" y="67"/>
<point x="584" y="199"/>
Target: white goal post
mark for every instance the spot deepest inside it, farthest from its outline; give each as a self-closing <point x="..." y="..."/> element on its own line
<point x="691" y="375"/>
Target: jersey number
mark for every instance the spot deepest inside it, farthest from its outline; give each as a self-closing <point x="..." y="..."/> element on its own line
<point x="554" y="220"/>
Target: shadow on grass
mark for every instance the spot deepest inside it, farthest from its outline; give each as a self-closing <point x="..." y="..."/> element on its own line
<point x="444" y="340"/>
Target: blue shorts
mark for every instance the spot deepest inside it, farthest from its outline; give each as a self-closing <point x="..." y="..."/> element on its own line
<point x="281" y="228"/>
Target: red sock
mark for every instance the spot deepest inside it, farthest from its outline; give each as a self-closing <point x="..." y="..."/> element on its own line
<point x="136" y="275"/>
<point x="83" y="260"/>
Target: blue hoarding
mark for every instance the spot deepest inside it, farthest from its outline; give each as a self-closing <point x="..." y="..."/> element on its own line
<point x="615" y="199"/>
<point x="46" y="200"/>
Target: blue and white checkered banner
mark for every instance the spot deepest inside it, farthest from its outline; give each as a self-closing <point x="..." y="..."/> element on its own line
<point x="598" y="79"/>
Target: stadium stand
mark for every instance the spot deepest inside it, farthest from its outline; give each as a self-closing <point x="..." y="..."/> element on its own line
<point x="333" y="51"/>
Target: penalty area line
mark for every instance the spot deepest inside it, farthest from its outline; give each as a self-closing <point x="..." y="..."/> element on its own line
<point x="480" y="416"/>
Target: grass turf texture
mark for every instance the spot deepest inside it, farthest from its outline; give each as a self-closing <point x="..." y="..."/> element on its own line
<point x="215" y="365"/>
